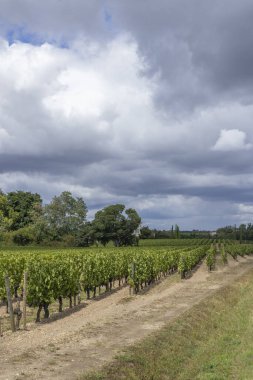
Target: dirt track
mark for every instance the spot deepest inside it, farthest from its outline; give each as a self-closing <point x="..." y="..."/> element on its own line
<point x="90" y="337"/>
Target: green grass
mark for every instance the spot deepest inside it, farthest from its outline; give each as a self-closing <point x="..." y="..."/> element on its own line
<point x="213" y="341"/>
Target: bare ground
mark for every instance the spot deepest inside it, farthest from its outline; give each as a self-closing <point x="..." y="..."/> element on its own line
<point x="92" y="336"/>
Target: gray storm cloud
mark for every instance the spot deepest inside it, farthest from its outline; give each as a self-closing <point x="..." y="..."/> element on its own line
<point x="144" y="103"/>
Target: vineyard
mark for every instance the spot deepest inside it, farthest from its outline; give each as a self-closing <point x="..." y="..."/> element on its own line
<point x="54" y="276"/>
<point x="102" y="283"/>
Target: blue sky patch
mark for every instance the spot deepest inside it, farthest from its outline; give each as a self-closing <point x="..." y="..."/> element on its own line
<point x="19" y="33"/>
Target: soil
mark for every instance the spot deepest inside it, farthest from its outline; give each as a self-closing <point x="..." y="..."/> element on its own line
<point x="93" y="335"/>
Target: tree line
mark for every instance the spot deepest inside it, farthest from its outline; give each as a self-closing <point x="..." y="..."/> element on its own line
<point x="243" y="232"/>
<point x="173" y="233"/>
<point x="25" y="220"/>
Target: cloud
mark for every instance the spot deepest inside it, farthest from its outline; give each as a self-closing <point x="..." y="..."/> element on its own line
<point x="63" y="101"/>
<point x="245" y="208"/>
<point x="130" y="102"/>
<point x="231" y="140"/>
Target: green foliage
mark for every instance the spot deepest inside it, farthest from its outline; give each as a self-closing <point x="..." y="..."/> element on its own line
<point x="242" y="233"/>
<point x="224" y="255"/>
<point x="149" y="264"/>
<point x="5" y="221"/>
<point x="211" y="257"/>
<point x="13" y="265"/>
<point x="64" y="220"/>
<point x="23" y="236"/>
<point x="173" y="242"/>
<point x="189" y="258"/>
<point x="84" y="236"/>
<point x="145" y="233"/>
<point x="177" y="232"/>
<point x="61" y="273"/>
<point x="116" y="224"/>
<point x="64" y="215"/>
<point x="41" y="281"/>
<point x="239" y="249"/>
<point x="21" y="207"/>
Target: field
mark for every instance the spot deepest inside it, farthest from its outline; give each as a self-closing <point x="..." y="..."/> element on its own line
<point x="65" y="274"/>
<point x="110" y="318"/>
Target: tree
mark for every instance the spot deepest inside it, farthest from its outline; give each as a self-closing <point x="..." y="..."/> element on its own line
<point x="5" y="221"/>
<point x="20" y="208"/>
<point x="242" y="230"/>
<point x="249" y="232"/>
<point x="116" y="224"/>
<point x="64" y="215"/>
<point x="227" y="232"/>
<point x="131" y="228"/>
<point x="85" y="236"/>
<point x="146" y="232"/>
<point x="177" y="232"/>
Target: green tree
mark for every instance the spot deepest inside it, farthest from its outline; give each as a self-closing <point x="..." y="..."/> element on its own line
<point x="146" y="232"/>
<point x="242" y="230"/>
<point x="116" y="224"/>
<point x="20" y="208"/>
<point x="177" y="231"/>
<point x="85" y="236"/>
<point x="227" y="232"/>
<point x="131" y="228"/>
<point x="249" y="232"/>
<point x="64" y="215"/>
<point x="5" y="221"/>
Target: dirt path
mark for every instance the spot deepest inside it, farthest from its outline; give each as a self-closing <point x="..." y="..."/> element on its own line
<point x="90" y="337"/>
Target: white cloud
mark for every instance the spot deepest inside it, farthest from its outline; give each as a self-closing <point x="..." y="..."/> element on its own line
<point x="83" y="119"/>
<point x="245" y="209"/>
<point x="231" y="140"/>
<point x="54" y="99"/>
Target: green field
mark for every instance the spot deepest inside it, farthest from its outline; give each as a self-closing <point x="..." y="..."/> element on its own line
<point x="55" y="275"/>
<point x="211" y="341"/>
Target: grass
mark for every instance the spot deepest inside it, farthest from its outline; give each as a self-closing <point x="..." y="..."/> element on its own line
<point x="213" y="341"/>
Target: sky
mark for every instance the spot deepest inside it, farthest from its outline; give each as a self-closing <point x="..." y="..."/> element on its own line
<point x="141" y="102"/>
